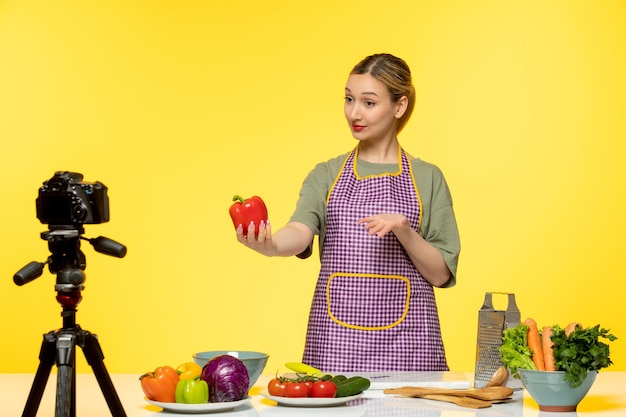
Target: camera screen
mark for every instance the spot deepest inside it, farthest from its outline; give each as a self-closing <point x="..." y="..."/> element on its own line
<point x="56" y="210"/>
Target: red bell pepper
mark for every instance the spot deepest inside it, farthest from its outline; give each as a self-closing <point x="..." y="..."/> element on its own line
<point x="250" y="210"/>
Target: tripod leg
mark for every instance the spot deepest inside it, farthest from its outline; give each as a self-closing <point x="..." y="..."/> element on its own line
<point x="94" y="356"/>
<point x="66" y="374"/>
<point x="46" y="360"/>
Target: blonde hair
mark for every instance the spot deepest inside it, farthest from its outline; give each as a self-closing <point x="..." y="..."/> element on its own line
<point x="396" y="75"/>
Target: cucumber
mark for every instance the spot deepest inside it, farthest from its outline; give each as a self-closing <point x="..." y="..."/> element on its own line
<point x="338" y="378"/>
<point x="352" y="386"/>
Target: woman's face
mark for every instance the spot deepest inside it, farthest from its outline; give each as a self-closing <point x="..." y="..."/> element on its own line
<point x="369" y="110"/>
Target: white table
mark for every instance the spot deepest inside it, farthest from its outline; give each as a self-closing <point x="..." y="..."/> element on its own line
<point x="607" y="398"/>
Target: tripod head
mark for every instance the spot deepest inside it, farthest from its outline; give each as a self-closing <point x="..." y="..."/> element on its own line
<point x="67" y="259"/>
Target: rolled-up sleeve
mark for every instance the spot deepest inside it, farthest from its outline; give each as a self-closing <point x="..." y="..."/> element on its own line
<point x="439" y="226"/>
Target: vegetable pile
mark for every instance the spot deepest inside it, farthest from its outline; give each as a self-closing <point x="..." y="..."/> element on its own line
<point x="223" y="379"/>
<point x="310" y="382"/>
<point x="326" y="386"/>
<point x="573" y="349"/>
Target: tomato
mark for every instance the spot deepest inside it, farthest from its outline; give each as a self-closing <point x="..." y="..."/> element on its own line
<point x="297" y="390"/>
<point x="309" y="385"/>
<point x="276" y="387"/>
<point x="326" y="389"/>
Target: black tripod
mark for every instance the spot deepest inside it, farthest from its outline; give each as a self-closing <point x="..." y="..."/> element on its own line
<point x="59" y="346"/>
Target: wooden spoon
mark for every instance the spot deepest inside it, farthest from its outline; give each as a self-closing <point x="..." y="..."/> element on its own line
<point x="499" y="377"/>
<point x="461" y="401"/>
<point x="486" y="394"/>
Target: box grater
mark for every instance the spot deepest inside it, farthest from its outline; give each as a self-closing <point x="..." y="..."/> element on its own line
<point x="491" y="324"/>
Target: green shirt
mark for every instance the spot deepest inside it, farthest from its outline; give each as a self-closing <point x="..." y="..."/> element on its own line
<point x="438" y="224"/>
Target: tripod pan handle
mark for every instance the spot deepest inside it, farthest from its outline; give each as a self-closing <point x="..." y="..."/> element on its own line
<point x="28" y="273"/>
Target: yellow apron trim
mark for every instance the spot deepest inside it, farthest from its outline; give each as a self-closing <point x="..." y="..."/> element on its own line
<point x="417" y="194"/>
<point x="330" y="191"/>
<point x="386" y="174"/>
<point x="377" y="276"/>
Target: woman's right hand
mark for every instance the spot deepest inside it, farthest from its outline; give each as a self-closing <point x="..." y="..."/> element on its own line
<point x="291" y="240"/>
<point x="261" y="243"/>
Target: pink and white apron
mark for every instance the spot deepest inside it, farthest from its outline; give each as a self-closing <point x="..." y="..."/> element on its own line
<point x="371" y="310"/>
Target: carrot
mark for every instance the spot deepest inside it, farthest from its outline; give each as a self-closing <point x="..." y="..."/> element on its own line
<point x="571" y="327"/>
<point x="548" y="348"/>
<point x="534" y="343"/>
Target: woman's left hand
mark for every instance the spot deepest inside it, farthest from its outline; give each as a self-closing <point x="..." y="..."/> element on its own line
<point x="381" y="224"/>
<point x="427" y="259"/>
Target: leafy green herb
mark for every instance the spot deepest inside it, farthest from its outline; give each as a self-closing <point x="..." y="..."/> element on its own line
<point x="515" y="351"/>
<point x="580" y="352"/>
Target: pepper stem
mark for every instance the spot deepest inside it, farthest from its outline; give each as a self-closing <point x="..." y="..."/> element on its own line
<point x="238" y="198"/>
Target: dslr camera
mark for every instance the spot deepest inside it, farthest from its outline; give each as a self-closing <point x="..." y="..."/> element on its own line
<point x="65" y="200"/>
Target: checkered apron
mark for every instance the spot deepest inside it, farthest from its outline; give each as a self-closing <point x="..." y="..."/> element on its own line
<point x="371" y="310"/>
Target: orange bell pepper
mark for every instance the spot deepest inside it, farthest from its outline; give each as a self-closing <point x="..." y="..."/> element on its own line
<point x="160" y="385"/>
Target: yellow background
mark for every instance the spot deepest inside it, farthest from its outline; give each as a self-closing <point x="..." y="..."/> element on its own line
<point x="177" y="106"/>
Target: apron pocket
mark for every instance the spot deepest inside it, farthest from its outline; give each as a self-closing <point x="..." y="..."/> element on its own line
<point x="367" y="301"/>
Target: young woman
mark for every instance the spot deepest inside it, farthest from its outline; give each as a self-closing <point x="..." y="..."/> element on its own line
<point x="387" y="236"/>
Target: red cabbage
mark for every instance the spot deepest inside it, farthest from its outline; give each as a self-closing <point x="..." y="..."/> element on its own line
<point x="227" y="378"/>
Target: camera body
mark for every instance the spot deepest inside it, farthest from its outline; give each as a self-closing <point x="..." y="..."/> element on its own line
<point x="65" y="200"/>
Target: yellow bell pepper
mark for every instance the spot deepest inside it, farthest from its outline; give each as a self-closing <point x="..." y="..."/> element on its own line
<point x="189" y="370"/>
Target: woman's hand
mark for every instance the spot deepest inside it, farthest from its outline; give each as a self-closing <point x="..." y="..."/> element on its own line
<point x="381" y="224"/>
<point x="262" y="243"/>
<point x="291" y="240"/>
<point x="426" y="258"/>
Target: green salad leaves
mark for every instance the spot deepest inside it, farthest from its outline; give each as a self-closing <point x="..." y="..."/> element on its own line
<point x="515" y="351"/>
<point x="577" y="354"/>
